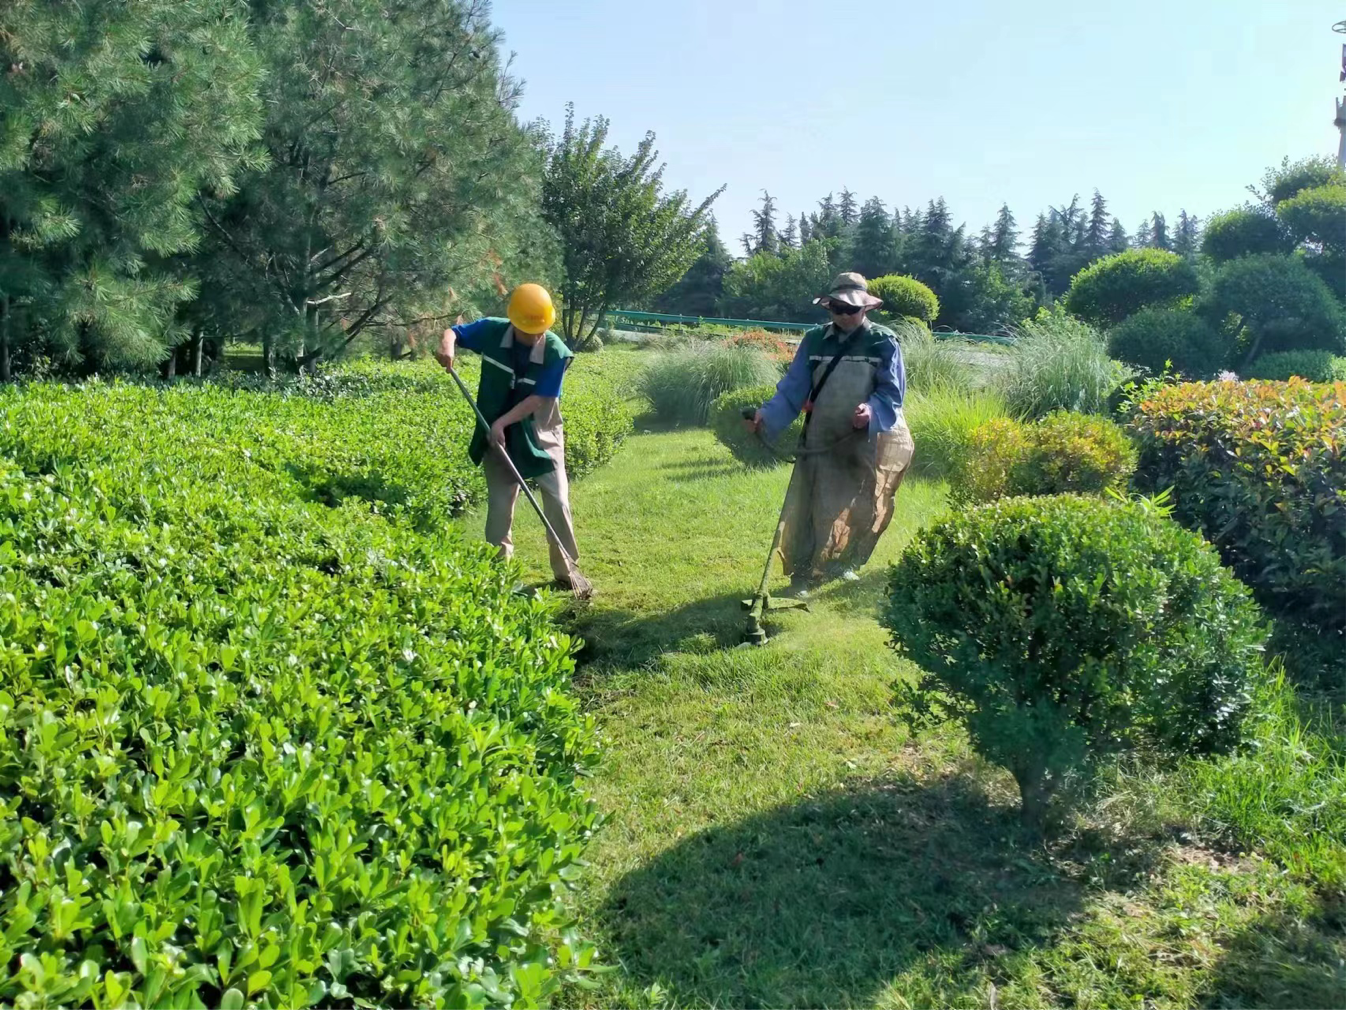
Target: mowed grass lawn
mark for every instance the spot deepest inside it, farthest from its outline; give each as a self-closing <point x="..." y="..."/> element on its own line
<point x="774" y="837"/>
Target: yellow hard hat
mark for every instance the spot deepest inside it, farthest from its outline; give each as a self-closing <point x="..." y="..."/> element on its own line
<point x="530" y="308"/>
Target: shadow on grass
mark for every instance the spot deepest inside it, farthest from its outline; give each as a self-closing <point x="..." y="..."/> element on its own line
<point x="825" y="902"/>
<point x="627" y="638"/>
<point x="1282" y="961"/>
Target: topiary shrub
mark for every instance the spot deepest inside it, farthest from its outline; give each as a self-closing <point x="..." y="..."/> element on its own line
<point x="1064" y="452"/>
<point x="1312" y="366"/>
<point x="1060" y="631"/>
<point x="1274" y="303"/>
<point x="1057" y="363"/>
<point x="1153" y="337"/>
<point x="1106" y="292"/>
<point x="1316" y="216"/>
<point x="258" y="749"/>
<point x="1244" y="231"/>
<point x="905" y="296"/>
<point x="726" y="420"/>
<point x="1260" y="470"/>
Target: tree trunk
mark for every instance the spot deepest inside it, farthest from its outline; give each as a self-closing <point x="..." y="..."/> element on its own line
<point x="197" y="341"/>
<point x="6" y="367"/>
<point x="268" y="357"/>
<point x="1035" y="793"/>
<point x="171" y="365"/>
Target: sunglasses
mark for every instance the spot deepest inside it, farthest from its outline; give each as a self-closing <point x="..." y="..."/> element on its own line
<point x="842" y="309"/>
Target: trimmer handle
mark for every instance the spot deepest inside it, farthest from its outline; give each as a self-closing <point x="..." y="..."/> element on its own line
<point x="749" y="413"/>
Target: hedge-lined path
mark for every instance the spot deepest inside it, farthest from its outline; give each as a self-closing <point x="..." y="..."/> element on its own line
<point x="775" y="838"/>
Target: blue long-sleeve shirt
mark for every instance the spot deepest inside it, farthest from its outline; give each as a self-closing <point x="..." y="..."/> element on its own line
<point x="470" y="335"/>
<point x="885" y="403"/>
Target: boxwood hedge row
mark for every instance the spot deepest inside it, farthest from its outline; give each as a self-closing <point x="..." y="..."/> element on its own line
<point x="270" y="735"/>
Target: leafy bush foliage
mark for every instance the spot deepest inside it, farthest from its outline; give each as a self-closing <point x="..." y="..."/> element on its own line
<point x="942" y="422"/>
<point x="1058" y="363"/>
<point x="1259" y="469"/>
<point x="682" y="385"/>
<point x="726" y="420"/>
<point x="1275" y="303"/>
<point x="1153" y="337"/>
<point x="1106" y="292"/>
<point x="1316" y="215"/>
<point x="780" y="287"/>
<point x="1313" y="366"/>
<point x="1063" y="452"/>
<point x="1244" y="231"/>
<point x="1290" y="178"/>
<point x="1061" y="630"/>
<point x="259" y="748"/>
<point x="905" y="296"/>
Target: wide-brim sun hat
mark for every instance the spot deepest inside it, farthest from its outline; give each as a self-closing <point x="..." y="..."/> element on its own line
<point x="850" y="289"/>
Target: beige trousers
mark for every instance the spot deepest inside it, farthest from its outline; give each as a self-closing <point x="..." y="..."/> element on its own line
<point x="553" y="492"/>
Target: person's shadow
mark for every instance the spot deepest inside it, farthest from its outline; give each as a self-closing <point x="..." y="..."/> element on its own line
<point x="826" y="902"/>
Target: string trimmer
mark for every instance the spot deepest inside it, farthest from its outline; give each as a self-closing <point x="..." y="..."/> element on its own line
<point x="580" y="587"/>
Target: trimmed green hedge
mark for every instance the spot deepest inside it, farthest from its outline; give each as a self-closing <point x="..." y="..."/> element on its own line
<point x="260" y="748"/>
<point x="1259" y="469"/>
<point x="1153" y="337"/>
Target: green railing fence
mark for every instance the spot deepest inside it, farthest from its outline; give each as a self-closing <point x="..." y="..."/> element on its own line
<point x="640" y="320"/>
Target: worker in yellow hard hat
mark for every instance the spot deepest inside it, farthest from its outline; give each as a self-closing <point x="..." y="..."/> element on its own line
<point x="523" y="363"/>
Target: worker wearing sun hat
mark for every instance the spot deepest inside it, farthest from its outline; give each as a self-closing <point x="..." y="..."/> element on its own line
<point x="523" y="364"/>
<point x="849" y="380"/>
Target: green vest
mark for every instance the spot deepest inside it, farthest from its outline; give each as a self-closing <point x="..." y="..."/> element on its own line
<point x="500" y="390"/>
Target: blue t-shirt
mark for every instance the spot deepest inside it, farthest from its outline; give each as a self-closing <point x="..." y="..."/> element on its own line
<point x="469" y="335"/>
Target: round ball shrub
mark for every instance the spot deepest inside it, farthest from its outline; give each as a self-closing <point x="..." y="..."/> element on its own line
<point x="1244" y="231"/>
<point x="1315" y="366"/>
<point x="1153" y="337"/>
<point x="1316" y="215"/>
<point x="1064" y="452"/>
<point x="1275" y="303"/>
<point x="1106" y="292"/>
<point x="1062" y="630"/>
<point x="726" y="420"/>
<point x="905" y="296"/>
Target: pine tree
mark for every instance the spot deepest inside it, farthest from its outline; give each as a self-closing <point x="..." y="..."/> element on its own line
<point x="1143" y="237"/>
<point x="1187" y="237"/>
<point x="1117" y="238"/>
<point x="1159" y="232"/>
<point x="827" y="222"/>
<point x="1096" y="236"/>
<point x="105" y="152"/>
<point x="1045" y="245"/>
<point x="1004" y="240"/>
<point x="789" y="238"/>
<point x="397" y="168"/>
<point x="847" y="211"/>
<point x="765" y="238"/>
<point x="805" y="230"/>
<point x="873" y="251"/>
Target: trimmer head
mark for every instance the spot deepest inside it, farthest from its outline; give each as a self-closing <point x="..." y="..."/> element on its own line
<point x="757" y="608"/>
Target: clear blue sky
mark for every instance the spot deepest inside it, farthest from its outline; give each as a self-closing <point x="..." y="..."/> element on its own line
<point x="1161" y="104"/>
